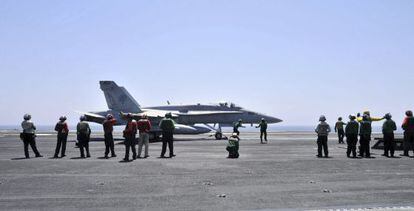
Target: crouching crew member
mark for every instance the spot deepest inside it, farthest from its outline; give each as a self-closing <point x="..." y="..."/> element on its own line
<point x="408" y="127"/>
<point x="339" y="128"/>
<point x="233" y="146"/>
<point x="351" y="132"/>
<point x="62" y="136"/>
<point x="108" y="127"/>
<point x="144" y="126"/>
<point x="28" y="136"/>
<point x="83" y="132"/>
<point x="388" y="129"/>
<point x="323" y="130"/>
<point x="365" y="136"/>
<point x="167" y="126"/>
<point x="130" y="133"/>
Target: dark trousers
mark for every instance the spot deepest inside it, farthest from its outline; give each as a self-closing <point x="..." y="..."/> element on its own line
<point x="263" y="133"/>
<point x="167" y="138"/>
<point x="364" y="148"/>
<point x="29" y="139"/>
<point x="236" y="131"/>
<point x="109" y="144"/>
<point x="351" y="140"/>
<point x="83" y="144"/>
<point x="61" y="143"/>
<point x="389" y="144"/>
<point x="322" y="143"/>
<point x="130" y="144"/>
<point x="408" y="142"/>
<point x="341" y="135"/>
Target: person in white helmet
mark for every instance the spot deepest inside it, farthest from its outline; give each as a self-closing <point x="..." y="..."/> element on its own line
<point x="323" y="129"/>
<point x="29" y="136"/>
<point x="62" y="136"/>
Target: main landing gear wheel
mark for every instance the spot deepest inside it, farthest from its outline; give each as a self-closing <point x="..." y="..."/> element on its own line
<point x="218" y="136"/>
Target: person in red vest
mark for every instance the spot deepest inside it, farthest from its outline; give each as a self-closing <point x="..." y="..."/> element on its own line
<point x="108" y="126"/>
<point x="129" y="134"/>
<point x="62" y="129"/>
<point x="144" y="126"/>
<point x="408" y="127"/>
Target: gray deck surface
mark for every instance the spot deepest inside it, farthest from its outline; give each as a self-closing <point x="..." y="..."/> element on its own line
<point x="284" y="174"/>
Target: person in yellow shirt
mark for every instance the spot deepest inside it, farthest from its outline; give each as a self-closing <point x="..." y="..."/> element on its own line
<point x="370" y="119"/>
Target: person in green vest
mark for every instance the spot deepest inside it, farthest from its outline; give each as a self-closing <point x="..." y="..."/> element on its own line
<point x="263" y="130"/>
<point x="339" y="128"/>
<point x="236" y="126"/>
<point x="167" y="125"/>
<point x="233" y="146"/>
<point x="388" y="129"/>
<point x="83" y="132"/>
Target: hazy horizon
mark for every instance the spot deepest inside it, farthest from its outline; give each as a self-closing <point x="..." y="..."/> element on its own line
<point x="294" y="60"/>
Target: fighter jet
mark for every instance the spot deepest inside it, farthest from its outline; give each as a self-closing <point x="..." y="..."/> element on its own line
<point x="190" y="119"/>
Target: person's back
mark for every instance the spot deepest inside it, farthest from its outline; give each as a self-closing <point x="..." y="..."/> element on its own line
<point x="323" y="129"/>
<point x="352" y="128"/>
<point x="144" y="125"/>
<point x="389" y="127"/>
<point x="339" y="125"/>
<point x="167" y="125"/>
<point x="28" y="127"/>
<point x="83" y="128"/>
<point x="365" y="128"/>
<point x="62" y="128"/>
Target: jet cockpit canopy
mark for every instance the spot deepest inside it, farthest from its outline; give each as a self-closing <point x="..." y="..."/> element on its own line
<point x="227" y="104"/>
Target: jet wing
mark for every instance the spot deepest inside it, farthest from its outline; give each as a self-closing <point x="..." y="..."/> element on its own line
<point x="207" y="113"/>
<point x="91" y="117"/>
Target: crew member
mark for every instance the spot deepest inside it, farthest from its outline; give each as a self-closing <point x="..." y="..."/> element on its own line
<point x="369" y="120"/>
<point x="408" y="127"/>
<point x="62" y="136"/>
<point x="365" y="136"/>
<point x="28" y="136"/>
<point x="339" y="128"/>
<point x="351" y="132"/>
<point x="130" y="133"/>
<point x="388" y="129"/>
<point x="236" y="126"/>
<point x="108" y="127"/>
<point x="144" y="126"/>
<point x="323" y="129"/>
<point x="233" y="146"/>
<point x="167" y="126"/>
<point x="263" y="130"/>
<point x="83" y="132"/>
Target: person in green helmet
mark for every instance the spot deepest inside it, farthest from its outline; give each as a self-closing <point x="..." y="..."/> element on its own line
<point x="263" y="130"/>
<point x="236" y="126"/>
<point x="388" y="129"/>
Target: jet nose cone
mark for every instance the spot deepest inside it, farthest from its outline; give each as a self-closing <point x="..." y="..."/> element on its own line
<point x="271" y="119"/>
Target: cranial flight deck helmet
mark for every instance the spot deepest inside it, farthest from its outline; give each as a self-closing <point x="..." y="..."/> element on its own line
<point x="27" y="117"/>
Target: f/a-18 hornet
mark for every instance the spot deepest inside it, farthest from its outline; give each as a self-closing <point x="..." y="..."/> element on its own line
<point x="190" y="119"/>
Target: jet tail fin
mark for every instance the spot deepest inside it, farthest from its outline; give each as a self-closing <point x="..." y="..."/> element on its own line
<point x="118" y="98"/>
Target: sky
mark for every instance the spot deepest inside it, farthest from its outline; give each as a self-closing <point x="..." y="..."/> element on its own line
<point x="291" y="59"/>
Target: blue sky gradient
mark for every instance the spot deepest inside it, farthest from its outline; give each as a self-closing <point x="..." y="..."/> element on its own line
<point x="291" y="59"/>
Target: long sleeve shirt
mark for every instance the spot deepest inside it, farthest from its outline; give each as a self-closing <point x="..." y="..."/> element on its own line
<point x="389" y="126"/>
<point x="62" y="128"/>
<point x="108" y="125"/>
